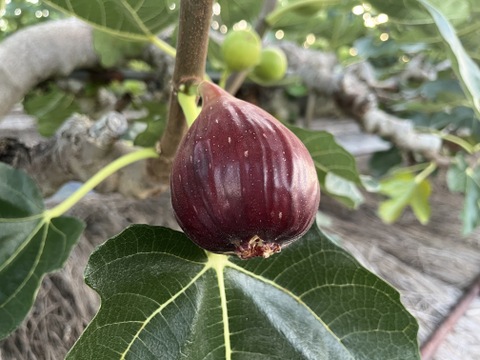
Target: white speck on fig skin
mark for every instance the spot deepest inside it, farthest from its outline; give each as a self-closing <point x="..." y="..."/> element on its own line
<point x="229" y="140"/>
<point x="246" y="153"/>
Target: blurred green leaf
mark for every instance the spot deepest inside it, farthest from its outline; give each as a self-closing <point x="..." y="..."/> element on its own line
<point x="343" y="190"/>
<point x="31" y="245"/>
<point x="382" y="161"/>
<point x="165" y="298"/>
<point x="457" y="118"/>
<point x="113" y="50"/>
<point x="456" y="176"/>
<point x="233" y="11"/>
<point x="151" y="134"/>
<point x="462" y="178"/>
<point x="436" y="89"/>
<point x="404" y="190"/>
<point x="370" y="184"/>
<point x="465" y="68"/>
<point x="215" y="56"/>
<point x="331" y="21"/>
<point x="411" y="12"/>
<point x="51" y="107"/>
<point x="297" y="90"/>
<point x="155" y="120"/>
<point x="300" y="8"/>
<point x="471" y="208"/>
<point x="130" y="19"/>
<point x="327" y="154"/>
<point x="336" y="167"/>
<point x="370" y="48"/>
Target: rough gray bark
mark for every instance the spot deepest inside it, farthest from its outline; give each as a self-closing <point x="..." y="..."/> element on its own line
<point x="40" y="52"/>
<point x="79" y="149"/>
<point x="354" y="94"/>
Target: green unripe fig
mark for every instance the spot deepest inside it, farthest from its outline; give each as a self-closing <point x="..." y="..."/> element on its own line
<point x="241" y="49"/>
<point x="272" y="66"/>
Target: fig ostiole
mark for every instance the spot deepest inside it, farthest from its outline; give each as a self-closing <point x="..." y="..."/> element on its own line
<point x="241" y="182"/>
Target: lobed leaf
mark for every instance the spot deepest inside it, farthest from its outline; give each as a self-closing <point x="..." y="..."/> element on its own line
<point x="31" y="245"/>
<point x="130" y="19"/>
<point x="404" y="190"/>
<point x="165" y="298"/>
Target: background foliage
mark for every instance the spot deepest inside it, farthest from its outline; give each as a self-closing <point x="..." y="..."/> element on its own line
<point x="159" y="291"/>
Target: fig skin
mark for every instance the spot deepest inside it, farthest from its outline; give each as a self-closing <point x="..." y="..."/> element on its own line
<point x="241" y="181"/>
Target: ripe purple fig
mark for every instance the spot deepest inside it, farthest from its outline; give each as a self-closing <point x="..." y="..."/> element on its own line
<point x="241" y="181"/>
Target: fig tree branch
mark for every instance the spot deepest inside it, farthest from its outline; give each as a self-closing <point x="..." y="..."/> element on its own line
<point x="37" y="53"/>
<point x="321" y="73"/>
<point x="192" y="47"/>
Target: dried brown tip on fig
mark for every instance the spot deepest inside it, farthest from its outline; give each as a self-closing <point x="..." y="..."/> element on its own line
<point x="256" y="247"/>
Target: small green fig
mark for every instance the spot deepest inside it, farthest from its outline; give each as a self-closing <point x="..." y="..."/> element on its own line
<point x="241" y="49"/>
<point x="273" y="65"/>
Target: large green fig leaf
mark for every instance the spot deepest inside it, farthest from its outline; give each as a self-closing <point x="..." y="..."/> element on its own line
<point x="31" y="245"/>
<point x="130" y="19"/>
<point x="165" y="298"/>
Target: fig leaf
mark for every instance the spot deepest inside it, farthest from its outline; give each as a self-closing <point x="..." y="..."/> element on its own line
<point x="336" y="167"/>
<point x="31" y="245"/>
<point x="165" y="298"/>
<point x="133" y="20"/>
<point x="465" y="179"/>
<point x="403" y="190"/>
<point x="51" y="107"/>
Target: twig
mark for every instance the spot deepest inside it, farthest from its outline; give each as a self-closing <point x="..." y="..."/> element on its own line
<point x="192" y="47"/>
<point x="430" y="346"/>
